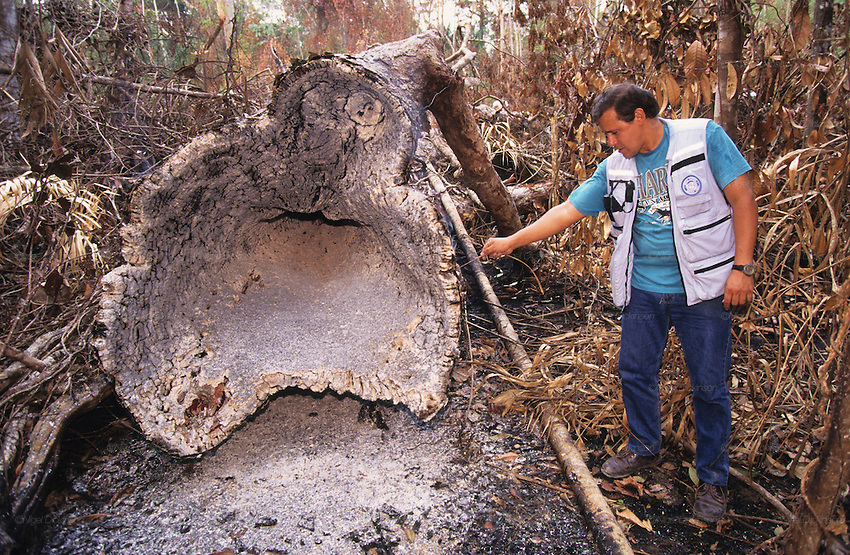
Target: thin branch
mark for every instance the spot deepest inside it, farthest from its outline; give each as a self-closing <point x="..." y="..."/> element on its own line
<point x="159" y="90"/>
<point x="25" y="359"/>
<point x="607" y="531"/>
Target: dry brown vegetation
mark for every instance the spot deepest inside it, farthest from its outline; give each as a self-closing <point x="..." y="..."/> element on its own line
<point x="793" y="130"/>
<point x="96" y="129"/>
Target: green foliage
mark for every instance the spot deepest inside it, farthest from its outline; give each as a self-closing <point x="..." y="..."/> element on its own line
<point x="767" y="14"/>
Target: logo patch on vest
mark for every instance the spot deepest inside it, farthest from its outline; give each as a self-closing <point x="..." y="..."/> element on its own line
<point x="691" y="185"/>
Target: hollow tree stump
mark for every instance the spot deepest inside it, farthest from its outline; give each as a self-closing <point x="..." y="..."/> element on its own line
<point x="297" y="250"/>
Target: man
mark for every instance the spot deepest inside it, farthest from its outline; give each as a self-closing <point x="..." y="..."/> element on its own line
<point x="684" y="221"/>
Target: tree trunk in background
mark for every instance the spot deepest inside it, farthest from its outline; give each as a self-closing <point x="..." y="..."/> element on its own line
<point x="822" y="18"/>
<point x="8" y="36"/>
<point x="9" y="116"/>
<point x="827" y="477"/>
<point x="729" y="55"/>
<point x="822" y="21"/>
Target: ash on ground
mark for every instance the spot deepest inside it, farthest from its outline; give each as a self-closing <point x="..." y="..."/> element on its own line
<point x="321" y="474"/>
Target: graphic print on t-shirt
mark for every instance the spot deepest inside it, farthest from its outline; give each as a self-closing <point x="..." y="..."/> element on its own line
<point x="654" y="198"/>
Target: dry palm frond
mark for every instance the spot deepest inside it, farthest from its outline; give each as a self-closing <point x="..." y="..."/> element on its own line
<point x="81" y="207"/>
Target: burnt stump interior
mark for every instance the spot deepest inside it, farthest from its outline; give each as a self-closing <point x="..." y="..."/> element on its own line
<point x="292" y="250"/>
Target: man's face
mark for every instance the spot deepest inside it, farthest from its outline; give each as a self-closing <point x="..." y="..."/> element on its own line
<point x="628" y="137"/>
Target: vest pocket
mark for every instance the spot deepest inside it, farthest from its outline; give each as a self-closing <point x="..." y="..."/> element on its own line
<point x="619" y="201"/>
<point x="706" y="239"/>
<point x="710" y="281"/>
<point x="693" y="207"/>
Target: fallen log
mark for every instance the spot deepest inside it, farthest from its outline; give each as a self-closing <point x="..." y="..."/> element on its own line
<point x="334" y="170"/>
<point x="609" y="536"/>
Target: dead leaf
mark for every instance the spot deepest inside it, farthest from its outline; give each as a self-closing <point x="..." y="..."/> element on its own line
<point x="653" y="29"/>
<point x="409" y="533"/>
<point x="87" y="518"/>
<point x="731" y="81"/>
<point x="121" y="493"/>
<point x="839" y="298"/>
<point x="792" y="170"/>
<point x="54" y="283"/>
<point x="657" y="491"/>
<point x="661" y="95"/>
<point x="696" y="60"/>
<point x="633" y="482"/>
<point x="697" y="523"/>
<point x="671" y="87"/>
<point x="801" y="24"/>
<point x="503" y="402"/>
<point x="706" y="88"/>
<point x="628" y="515"/>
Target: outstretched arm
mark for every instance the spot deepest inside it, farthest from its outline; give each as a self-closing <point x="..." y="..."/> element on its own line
<point x="554" y="221"/>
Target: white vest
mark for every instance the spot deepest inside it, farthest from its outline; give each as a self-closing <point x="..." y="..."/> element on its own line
<point x="702" y="218"/>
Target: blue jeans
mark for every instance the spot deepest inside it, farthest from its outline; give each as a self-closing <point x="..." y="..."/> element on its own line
<point x="705" y="333"/>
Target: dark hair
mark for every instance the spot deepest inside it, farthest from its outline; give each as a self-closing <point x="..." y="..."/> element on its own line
<point x="625" y="98"/>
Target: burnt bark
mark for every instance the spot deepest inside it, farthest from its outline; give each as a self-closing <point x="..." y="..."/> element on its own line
<point x="297" y="250"/>
<point x="823" y="14"/>
<point x="446" y="98"/>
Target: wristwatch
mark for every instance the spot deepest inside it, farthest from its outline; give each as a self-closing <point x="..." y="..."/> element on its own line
<point x="748" y="269"/>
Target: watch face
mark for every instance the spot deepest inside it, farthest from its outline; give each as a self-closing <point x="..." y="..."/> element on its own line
<point x="747" y="269"/>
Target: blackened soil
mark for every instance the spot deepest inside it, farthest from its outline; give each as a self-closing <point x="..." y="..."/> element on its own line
<point x="318" y="474"/>
<point x="661" y="498"/>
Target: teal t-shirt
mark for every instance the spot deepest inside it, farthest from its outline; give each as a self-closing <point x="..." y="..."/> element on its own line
<point x="655" y="266"/>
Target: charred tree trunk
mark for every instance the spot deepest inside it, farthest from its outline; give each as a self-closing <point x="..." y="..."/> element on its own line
<point x="822" y="22"/>
<point x="295" y="251"/>
<point x="446" y="99"/>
